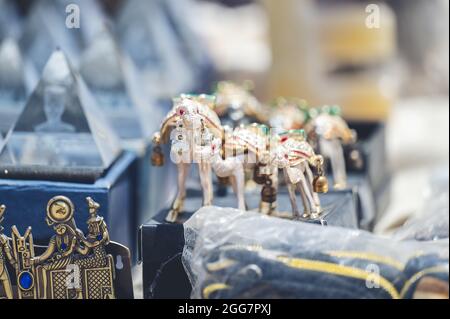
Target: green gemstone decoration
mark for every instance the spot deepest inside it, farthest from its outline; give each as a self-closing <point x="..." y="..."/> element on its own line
<point x="264" y="129"/>
<point x="335" y="110"/>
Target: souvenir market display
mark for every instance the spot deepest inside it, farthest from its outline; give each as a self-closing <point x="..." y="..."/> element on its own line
<point x="133" y="165"/>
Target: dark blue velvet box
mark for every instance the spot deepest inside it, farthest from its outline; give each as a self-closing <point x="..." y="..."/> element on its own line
<point x="26" y="202"/>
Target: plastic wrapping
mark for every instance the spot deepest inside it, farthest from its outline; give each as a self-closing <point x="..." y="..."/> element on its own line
<point x="431" y="222"/>
<point x="234" y="254"/>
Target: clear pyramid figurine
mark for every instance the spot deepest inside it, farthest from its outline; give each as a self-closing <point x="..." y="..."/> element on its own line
<point x="10" y="24"/>
<point x="182" y="24"/>
<point x="45" y="30"/>
<point x="147" y="35"/>
<point x="91" y="18"/>
<point x="13" y="84"/>
<point x="60" y="130"/>
<point x="112" y="79"/>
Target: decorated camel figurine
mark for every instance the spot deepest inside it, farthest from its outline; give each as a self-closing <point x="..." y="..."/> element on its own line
<point x="289" y="151"/>
<point x="196" y="136"/>
<point x="326" y="130"/>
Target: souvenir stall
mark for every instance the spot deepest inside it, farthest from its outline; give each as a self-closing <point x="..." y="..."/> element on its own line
<point x="223" y="149"/>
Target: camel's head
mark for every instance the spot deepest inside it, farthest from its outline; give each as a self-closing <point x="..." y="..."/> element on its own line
<point x="188" y="111"/>
<point x="289" y="114"/>
<point x="328" y="123"/>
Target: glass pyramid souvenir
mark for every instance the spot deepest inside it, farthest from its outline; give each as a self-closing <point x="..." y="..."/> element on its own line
<point x="92" y="18"/>
<point x="182" y="25"/>
<point x="60" y="134"/>
<point x="10" y="24"/>
<point x="45" y="30"/>
<point x="13" y="87"/>
<point x="111" y="78"/>
<point x="146" y="34"/>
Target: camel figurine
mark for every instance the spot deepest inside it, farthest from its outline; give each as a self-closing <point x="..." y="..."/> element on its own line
<point x="196" y="136"/>
<point x="329" y="132"/>
<point x="326" y="130"/>
<point x="295" y="156"/>
<point x="288" y="151"/>
<point x="238" y="105"/>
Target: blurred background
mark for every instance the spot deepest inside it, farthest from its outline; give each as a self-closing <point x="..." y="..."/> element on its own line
<point x="382" y="61"/>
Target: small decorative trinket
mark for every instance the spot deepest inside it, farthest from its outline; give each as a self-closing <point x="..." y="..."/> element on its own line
<point x="72" y="266"/>
<point x="196" y="136"/>
<point x="295" y="156"/>
<point x="288" y="151"/>
<point x="326" y="130"/>
<point x="329" y="132"/>
<point x="236" y="105"/>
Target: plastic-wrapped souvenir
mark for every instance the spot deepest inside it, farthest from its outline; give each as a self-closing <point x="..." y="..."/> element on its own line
<point x="74" y="265"/>
<point x="233" y="254"/>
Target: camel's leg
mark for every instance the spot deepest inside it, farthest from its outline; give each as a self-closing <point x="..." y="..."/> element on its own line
<point x="334" y="151"/>
<point x="310" y="180"/>
<point x="274" y="179"/>
<point x="238" y="184"/>
<point x="292" y="196"/>
<point x="307" y="189"/>
<point x="232" y="167"/>
<point x="177" y="206"/>
<point x="206" y="182"/>
<point x="305" y="202"/>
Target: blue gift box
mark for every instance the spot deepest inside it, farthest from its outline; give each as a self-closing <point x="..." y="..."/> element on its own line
<point x="26" y="202"/>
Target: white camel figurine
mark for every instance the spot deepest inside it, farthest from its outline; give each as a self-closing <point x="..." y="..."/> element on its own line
<point x="295" y="157"/>
<point x="251" y="144"/>
<point x="327" y="131"/>
<point x="330" y="132"/>
<point x="196" y="135"/>
<point x="291" y="153"/>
